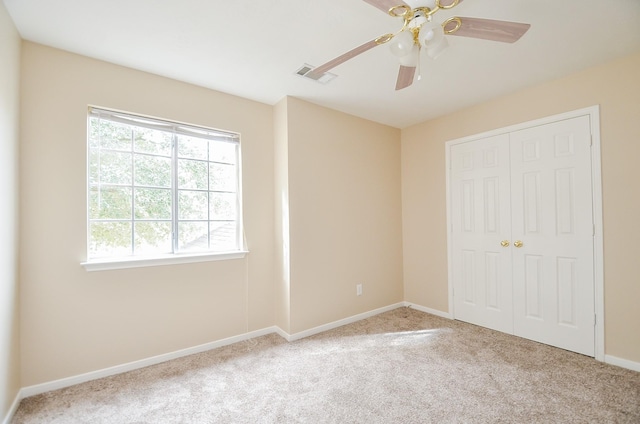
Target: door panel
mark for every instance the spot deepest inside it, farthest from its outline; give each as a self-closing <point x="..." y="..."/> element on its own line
<point x="480" y="221"/>
<point x="531" y="199"/>
<point x="567" y="291"/>
<point x="553" y="283"/>
<point x="533" y="286"/>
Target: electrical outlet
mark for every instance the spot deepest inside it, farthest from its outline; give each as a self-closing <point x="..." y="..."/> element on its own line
<point x="359" y="289"/>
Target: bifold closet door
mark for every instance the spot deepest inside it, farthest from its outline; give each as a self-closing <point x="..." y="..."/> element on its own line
<point x="552" y="222"/>
<point x="522" y="234"/>
<point x="481" y="224"/>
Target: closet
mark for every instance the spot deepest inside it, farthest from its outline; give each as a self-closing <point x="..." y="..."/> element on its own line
<point x="521" y="232"/>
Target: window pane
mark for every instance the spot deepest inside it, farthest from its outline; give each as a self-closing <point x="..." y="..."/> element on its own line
<point x="223" y="235"/>
<point x="193" y="236"/>
<point x="94" y="166"/>
<point x="222" y="177"/>
<point x="152" y="203"/>
<point x="192" y="174"/>
<point x="107" y="202"/>
<point x="110" y="239"/>
<point x="115" y="168"/>
<point x="223" y="206"/>
<point x="152" y="171"/>
<point x="152" y="237"/>
<point x="114" y="135"/>
<point x="94" y="132"/>
<point x="222" y="152"/>
<point x="193" y="148"/>
<point x="152" y="141"/>
<point x="192" y="205"/>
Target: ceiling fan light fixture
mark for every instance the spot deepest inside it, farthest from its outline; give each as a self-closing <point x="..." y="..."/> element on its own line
<point x="431" y="37"/>
<point x="431" y="33"/>
<point x="402" y="44"/>
<point x="404" y="47"/>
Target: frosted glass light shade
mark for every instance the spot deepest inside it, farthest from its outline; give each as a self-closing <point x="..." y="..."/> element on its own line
<point x="430" y="33"/>
<point x="402" y="44"/>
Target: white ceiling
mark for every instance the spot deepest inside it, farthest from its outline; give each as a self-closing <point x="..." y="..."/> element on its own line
<point x="252" y="48"/>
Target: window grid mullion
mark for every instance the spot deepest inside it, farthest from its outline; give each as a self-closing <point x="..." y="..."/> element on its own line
<point x="174" y="191"/>
<point x="133" y="195"/>
<point x="208" y="194"/>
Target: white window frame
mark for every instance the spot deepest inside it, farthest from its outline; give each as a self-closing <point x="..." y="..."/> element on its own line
<point x="176" y="128"/>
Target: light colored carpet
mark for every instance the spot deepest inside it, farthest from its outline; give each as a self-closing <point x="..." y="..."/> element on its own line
<point x="403" y="366"/>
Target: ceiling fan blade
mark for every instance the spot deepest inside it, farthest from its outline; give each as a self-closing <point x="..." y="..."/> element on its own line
<point x="405" y="77"/>
<point x="487" y="29"/>
<point x="386" y="5"/>
<point x="317" y="72"/>
<point x="447" y="3"/>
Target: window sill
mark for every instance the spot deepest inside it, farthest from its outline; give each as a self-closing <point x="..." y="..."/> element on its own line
<point x="122" y="263"/>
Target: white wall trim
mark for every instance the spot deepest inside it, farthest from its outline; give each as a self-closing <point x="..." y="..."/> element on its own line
<point x="594" y="117"/>
<point x="118" y="369"/>
<point x="282" y="333"/>
<point x="340" y="323"/>
<point x="172" y="259"/>
<point x="428" y="310"/>
<point x="591" y="111"/>
<point x="624" y="363"/>
<point x="449" y="206"/>
<point x="13" y="408"/>
<point x="598" y="241"/>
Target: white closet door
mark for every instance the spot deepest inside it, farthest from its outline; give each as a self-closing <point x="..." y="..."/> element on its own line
<point x="552" y="216"/>
<point x="481" y="220"/>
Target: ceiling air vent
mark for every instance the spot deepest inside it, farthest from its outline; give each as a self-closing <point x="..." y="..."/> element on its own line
<point x="305" y="72"/>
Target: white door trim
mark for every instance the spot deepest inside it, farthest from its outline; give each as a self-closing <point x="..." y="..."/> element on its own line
<point x="594" y="118"/>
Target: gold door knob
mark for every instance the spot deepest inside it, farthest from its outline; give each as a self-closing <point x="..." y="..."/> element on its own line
<point x="518" y="243"/>
<point x="504" y="243"/>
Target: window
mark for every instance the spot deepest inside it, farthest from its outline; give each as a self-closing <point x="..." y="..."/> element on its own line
<point x="159" y="188"/>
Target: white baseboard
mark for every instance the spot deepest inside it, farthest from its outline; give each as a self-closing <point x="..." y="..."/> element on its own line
<point x="118" y="369"/>
<point x="13" y="408"/>
<point x="339" y="323"/>
<point x="624" y="363"/>
<point x="428" y="310"/>
<point x="282" y="333"/>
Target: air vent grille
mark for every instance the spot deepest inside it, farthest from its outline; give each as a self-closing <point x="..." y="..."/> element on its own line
<point x="305" y="72"/>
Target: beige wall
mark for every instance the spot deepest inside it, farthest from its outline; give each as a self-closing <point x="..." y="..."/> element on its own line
<point x="9" y="115"/>
<point x="616" y="88"/>
<point x="74" y="321"/>
<point x="344" y="215"/>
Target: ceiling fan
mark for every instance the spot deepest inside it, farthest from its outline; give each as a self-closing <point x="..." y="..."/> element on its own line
<point x="420" y="31"/>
